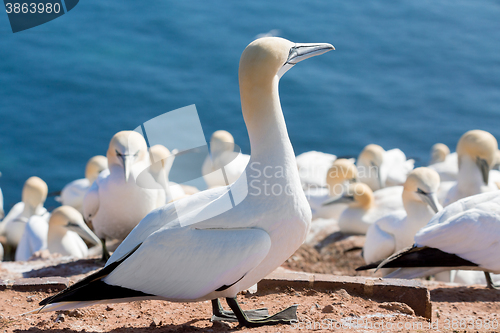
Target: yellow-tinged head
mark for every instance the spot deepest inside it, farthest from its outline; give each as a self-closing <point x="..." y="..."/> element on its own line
<point x="481" y="147"/>
<point x="34" y="191"/>
<point x="341" y="171"/>
<point x="125" y="149"/>
<point x="94" y="167"/>
<point x="439" y="152"/>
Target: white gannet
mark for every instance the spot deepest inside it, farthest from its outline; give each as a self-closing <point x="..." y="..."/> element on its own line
<point x="2" y="212"/>
<point x="162" y="160"/>
<point x="210" y="252"/>
<point x="339" y="176"/>
<point x="395" y="231"/>
<point x="464" y="235"/>
<point x="115" y="204"/>
<point x="33" y="197"/>
<point x="59" y="235"/>
<point x="379" y="168"/>
<point x="1" y="252"/>
<point x="439" y="152"/>
<point x="223" y="166"/>
<point x="72" y="194"/>
<point x="476" y="151"/>
<point x="313" y="167"/>
<point x="365" y="206"/>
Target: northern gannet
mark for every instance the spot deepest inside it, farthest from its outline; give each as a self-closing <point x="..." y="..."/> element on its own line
<point x="396" y="231"/>
<point x="439" y="152"/>
<point x="2" y="212"/>
<point x="365" y="207"/>
<point x="313" y="167"/>
<point x="223" y="166"/>
<point x="476" y="151"/>
<point x="162" y="160"/>
<point x="195" y="257"/>
<point x="60" y="235"/>
<point x="379" y="168"/>
<point x="72" y="194"/>
<point x="464" y="235"/>
<point x="342" y="173"/>
<point x="115" y="203"/>
<point x="33" y="197"/>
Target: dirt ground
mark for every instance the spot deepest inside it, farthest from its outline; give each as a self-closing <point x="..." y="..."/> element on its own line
<point x="454" y="308"/>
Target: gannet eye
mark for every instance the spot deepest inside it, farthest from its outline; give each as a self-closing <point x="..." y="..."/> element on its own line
<point x="136" y="154"/>
<point x="118" y="153"/>
<point x="419" y="191"/>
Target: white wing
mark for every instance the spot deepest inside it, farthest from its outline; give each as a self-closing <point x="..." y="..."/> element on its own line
<point x="199" y="261"/>
<point x="91" y="201"/>
<point x="73" y="193"/>
<point x="34" y="238"/>
<point x="397" y="167"/>
<point x="469" y="228"/>
<point x="313" y="167"/>
<point x="447" y="170"/>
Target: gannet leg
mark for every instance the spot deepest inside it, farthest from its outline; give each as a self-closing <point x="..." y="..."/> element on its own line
<point x="284" y="317"/>
<point x="219" y="314"/>
<point x="105" y="253"/>
<point x="489" y="282"/>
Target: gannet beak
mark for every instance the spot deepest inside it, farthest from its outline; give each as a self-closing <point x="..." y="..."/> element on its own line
<point x="338" y="200"/>
<point x="127" y="163"/>
<point x="485" y="169"/>
<point x="83" y="231"/>
<point x="432" y="200"/>
<point x="300" y="52"/>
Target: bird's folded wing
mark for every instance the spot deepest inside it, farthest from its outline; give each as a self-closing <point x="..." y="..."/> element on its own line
<point x="185" y="263"/>
<point x="91" y="202"/>
<point x="34" y="238"/>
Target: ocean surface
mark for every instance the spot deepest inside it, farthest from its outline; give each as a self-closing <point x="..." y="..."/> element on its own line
<point x="405" y="74"/>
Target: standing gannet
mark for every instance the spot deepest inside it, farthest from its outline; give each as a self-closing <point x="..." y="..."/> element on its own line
<point x="223" y="166"/>
<point x="476" y="151"/>
<point x="313" y="167"/>
<point x="365" y="207"/>
<point x="464" y="235"/>
<point x="396" y="231"/>
<point x="207" y="252"/>
<point x="33" y="197"/>
<point x="342" y="173"/>
<point x="72" y="194"/>
<point x="379" y="168"/>
<point x="115" y="203"/>
<point x="59" y="235"/>
<point x="161" y="163"/>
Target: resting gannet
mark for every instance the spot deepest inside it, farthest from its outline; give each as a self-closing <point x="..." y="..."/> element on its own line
<point x="365" y="207"/>
<point x="313" y="167"/>
<point x="115" y="204"/>
<point x="72" y="194"/>
<point x="395" y="231"/>
<point x="439" y="152"/>
<point x="33" y="197"/>
<point x="464" y="235"/>
<point x="476" y="151"/>
<point x="162" y="160"/>
<point x="379" y="168"/>
<point x="223" y="166"/>
<point x="210" y="252"/>
<point x="59" y="235"/>
<point x="342" y="173"/>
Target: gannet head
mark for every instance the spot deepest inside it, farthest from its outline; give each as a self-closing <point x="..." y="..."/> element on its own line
<point x="71" y="219"/>
<point x="34" y="192"/>
<point x="125" y="149"/>
<point x="221" y="141"/>
<point x="422" y="185"/>
<point x="439" y="152"/>
<point x="159" y="155"/>
<point x="342" y="171"/>
<point x="94" y="167"/>
<point x="481" y="147"/>
<point x="267" y="57"/>
<point x="357" y="195"/>
<point x="372" y="156"/>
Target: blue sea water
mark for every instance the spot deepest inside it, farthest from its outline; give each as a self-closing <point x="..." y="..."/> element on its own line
<point x="404" y="74"/>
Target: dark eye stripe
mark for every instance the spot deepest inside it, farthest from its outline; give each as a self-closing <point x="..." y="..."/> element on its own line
<point x="421" y="192"/>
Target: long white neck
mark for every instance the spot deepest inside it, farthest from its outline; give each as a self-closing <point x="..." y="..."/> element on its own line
<point x="470" y="179"/>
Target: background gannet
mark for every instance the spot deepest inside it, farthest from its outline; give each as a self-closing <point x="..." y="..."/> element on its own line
<point x="33" y="197"/>
<point x="2" y="212"/>
<point x="223" y="160"/>
<point x="161" y="163"/>
<point x="313" y="167"/>
<point x="464" y="235"/>
<point x="395" y="231"/>
<point x="115" y="204"/>
<point x="476" y="152"/>
<point x="364" y="208"/>
<point x="72" y="194"/>
<point x="212" y="252"/>
<point x="439" y="152"/>
<point x="339" y="176"/>
<point x="379" y="168"/>
<point x="60" y="235"/>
